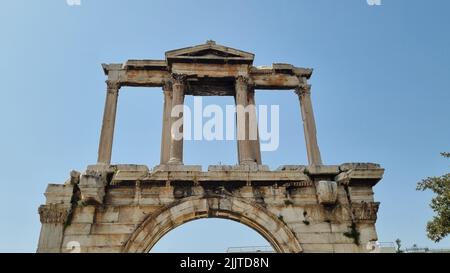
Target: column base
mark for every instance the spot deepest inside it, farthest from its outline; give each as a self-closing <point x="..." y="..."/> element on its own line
<point x="175" y="161"/>
<point x="250" y="162"/>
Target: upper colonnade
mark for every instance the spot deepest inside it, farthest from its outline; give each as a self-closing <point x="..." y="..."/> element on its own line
<point x="207" y="70"/>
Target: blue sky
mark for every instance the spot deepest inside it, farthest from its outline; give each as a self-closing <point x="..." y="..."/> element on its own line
<point x="380" y="94"/>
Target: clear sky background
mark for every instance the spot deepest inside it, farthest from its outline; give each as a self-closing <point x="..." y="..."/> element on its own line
<point x="380" y="94"/>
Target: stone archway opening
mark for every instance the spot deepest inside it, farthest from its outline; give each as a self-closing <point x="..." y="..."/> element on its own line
<point x="212" y="235"/>
<point x="158" y="224"/>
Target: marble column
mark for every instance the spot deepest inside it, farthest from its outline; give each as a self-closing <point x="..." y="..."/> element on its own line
<point x="176" y="145"/>
<point x="309" y="124"/>
<point x="254" y="143"/>
<point x="166" y="134"/>
<point x="244" y="150"/>
<point x="109" y="120"/>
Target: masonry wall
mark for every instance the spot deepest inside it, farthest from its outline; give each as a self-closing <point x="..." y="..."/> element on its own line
<point x="293" y="208"/>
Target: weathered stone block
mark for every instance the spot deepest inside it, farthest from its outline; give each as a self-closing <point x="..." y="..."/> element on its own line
<point x="83" y="215"/>
<point x="358" y="166"/>
<point x="305" y="226"/>
<point x="59" y="194"/>
<point x="100" y="167"/>
<point x="322" y="170"/>
<point x="318" y="248"/>
<point x="346" y="248"/>
<point x="107" y="215"/>
<point x="177" y="168"/>
<point x="290" y="168"/>
<point x="92" y="186"/>
<point x="326" y="192"/>
<point x="104" y="249"/>
<point x="367" y="233"/>
<point x="96" y="240"/>
<point x="78" y="229"/>
<point x="131" y="167"/>
<point x="133" y="214"/>
<point x="113" y="228"/>
<point x="360" y="194"/>
<point x="367" y="174"/>
<point x="50" y="238"/>
<point x="74" y="178"/>
<point x="315" y="238"/>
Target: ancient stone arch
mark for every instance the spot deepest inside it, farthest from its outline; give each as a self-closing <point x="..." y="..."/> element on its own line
<point x="127" y="208"/>
<point x="156" y="225"/>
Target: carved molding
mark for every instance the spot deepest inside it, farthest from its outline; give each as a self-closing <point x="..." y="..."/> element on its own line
<point x="299" y="184"/>
<point x="53" y="213"/>
<point x="365" y="211"/>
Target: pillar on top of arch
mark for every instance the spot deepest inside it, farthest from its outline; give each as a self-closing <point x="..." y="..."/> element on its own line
<point x="309" y="125"/>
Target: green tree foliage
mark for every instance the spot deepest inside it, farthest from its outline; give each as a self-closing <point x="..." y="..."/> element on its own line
<point x="439" y="227"/>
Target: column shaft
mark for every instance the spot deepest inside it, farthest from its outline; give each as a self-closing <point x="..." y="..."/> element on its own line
<point x="309" y="124"/>
<point x="109" y="120"/>
<point x="166" y="134"/>
<point x="254" y="144"/>
<point x="176" y="141"/>
<point x="244" y="150"/>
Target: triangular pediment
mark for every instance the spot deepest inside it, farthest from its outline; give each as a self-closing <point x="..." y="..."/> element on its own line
<point x="210" y="51"/>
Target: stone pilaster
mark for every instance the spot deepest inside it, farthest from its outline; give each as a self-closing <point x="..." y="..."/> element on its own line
<point x="309" y="124"/>
<point x="109" y="120"/>
<point x="54" y="216"/>
<point x="176" y="141"/>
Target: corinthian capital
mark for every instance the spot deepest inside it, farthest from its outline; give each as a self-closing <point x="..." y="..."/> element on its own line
<point x="53" y="213"/>
<point x="242" y="80"/>
<point x="167" y="86"/>
<point x="303" y="89"/>
<point x="178" y="79"/>
<point x="113" y="86"/>
<point x="365" y="211"/>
